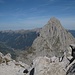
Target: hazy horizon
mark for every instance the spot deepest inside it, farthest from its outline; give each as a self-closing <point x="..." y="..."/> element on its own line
<point x="30" y="14"/>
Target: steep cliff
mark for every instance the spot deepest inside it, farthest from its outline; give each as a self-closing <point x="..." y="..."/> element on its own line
<point x="53" y="39"/>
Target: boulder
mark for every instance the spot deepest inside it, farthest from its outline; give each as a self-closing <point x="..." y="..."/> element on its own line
<point x="43" y="66"/>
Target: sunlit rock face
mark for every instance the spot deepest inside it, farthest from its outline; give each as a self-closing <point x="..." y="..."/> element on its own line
<point x="49" y="66"/>
<point x="9" y="66"/>
<point x="53" y="39"/>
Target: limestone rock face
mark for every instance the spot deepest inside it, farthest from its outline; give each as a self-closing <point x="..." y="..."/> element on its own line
<point x="53" y="39"/>
<point x="9" y="66"/>
<point x="45" y="66"/>
<point x="71" y="69"/>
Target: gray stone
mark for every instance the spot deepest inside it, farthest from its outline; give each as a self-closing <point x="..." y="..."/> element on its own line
<point x="53" y="39"/>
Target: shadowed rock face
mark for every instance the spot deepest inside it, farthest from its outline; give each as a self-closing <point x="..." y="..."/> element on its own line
<point x="71" y="70"/>
<point x="32" y="72"/>
<point x="25" y="71"/>
<point x="73" y="50"/>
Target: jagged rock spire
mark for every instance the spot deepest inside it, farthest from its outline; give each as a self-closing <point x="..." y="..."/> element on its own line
<point x="53" y="39"/>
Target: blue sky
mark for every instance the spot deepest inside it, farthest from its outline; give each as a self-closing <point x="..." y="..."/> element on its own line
<point x="28" y="14"/>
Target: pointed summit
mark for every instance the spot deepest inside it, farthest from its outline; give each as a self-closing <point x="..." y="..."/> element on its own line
<point x="53" y="39"/>
<point x="54" y="19"/>
<point x="54" y="22"/>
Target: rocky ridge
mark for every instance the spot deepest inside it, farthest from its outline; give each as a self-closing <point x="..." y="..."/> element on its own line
<point x="8" y="66"/>
<point x="39" y="66"/>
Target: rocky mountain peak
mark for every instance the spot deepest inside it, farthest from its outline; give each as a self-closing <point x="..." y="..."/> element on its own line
<point x="54" y="39"/>
<point x="54" y="20"/>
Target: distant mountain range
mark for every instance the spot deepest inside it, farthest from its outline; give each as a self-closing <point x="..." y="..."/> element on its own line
<point x="12" y="41"/>
<point x="18" y="39"/>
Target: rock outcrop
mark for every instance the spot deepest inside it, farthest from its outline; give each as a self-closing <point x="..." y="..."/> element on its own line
<point x="71" y="67"/>
<point x="9" y="66"/>
<point x="45" y="66"/>
<point x="41" y="65"/>
<point x="53" y="65"/>
<point x="48" y="66"/>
